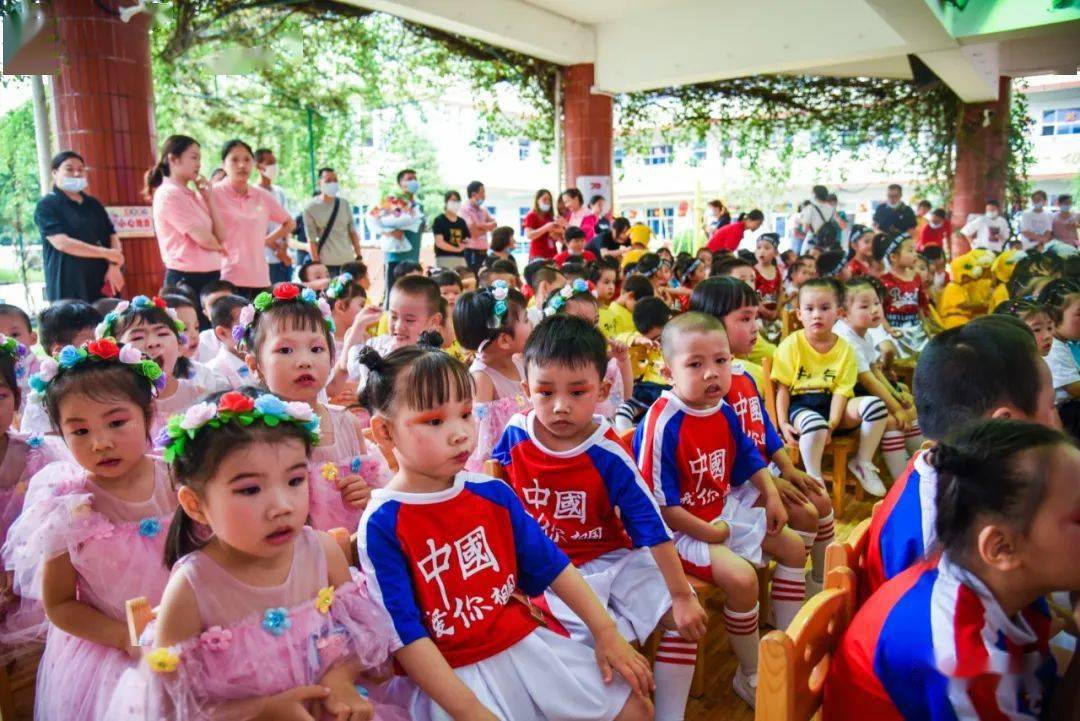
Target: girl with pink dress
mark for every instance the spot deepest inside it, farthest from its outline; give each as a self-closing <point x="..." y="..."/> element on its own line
<point x="290" y="335"/>
<point x="262" y="616"/>
<point x="91" y="533"/>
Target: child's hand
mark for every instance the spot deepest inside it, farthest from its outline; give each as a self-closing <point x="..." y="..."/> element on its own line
<point x="368" y="316"/>
<point x="354" y="490"/>
<point x="776" y="516"/>
<point x="619" y="351"/>
<point x="791" y="436"/>
<point x="690" y="618"/>
<point x="345" y="704"/>
<point x="803" y="481"/>
<point x="640" y="340"/>
<point x="901" y="419"/>
<point x="896" y="332"/>
<point x="789" y="491"/>
<point x="613" y="653"/>
<point x="721" y="532"/>
<point x="292" y="705"/>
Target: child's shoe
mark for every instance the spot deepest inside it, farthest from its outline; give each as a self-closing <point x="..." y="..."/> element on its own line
<point x="867" y="474"/>
<point x="745" y="687"/>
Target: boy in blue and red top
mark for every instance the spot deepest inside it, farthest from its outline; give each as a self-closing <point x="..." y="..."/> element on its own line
<point x="987" y="368"/>
<point x="578" y="481"/>
<point x="691" y="447"/>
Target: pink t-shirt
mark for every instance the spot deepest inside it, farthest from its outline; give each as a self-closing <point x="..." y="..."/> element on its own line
<point x="178" y="211"/>
<point x="246" y="218"/>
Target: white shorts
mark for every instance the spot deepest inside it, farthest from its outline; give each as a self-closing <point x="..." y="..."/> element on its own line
<point x="748" y="527"/>
<point x="631" y="587"/>
<point x="544" y="676"/>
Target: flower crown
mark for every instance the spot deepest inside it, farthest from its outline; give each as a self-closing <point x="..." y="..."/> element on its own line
<point x="11" y="347"/>
<point x="338" y="285"/>
<point x="556" y="302"/>
<point x="106" y="328"/>
<point x="234" y="407"/>
<point x="282" y="293"/>
<point x="103" y="350"/>
<point x="500" y="291"/>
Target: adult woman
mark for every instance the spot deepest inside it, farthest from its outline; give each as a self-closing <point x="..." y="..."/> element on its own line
<point x="451" y="233"/>
<point x="596" y="221"/>
<point x="79" y="243"/>
<point x="574" y="202"/>
<point x="183" y="218"/>
<point x="244" y="212"/>
<point x="542" y="228"/>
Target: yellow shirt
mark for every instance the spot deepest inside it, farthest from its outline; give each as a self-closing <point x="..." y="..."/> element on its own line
<point x="645" y="362"/>
<point x="616" y="319"/>
<point x="762" y="349"/>
<point x="754" y="371"/>
<point x="632" y="256"/>
<point x="802" y="369"/>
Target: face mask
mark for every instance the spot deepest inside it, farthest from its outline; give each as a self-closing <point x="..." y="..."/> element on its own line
<point x="72" y="185"/>
<point x="330" y="189"/>
<point x="935" y="225"/>
<point x="413" y="186"/>
<point x="1065" y="209"/>
<point x="1038" y="206"/>
<point x="270" y="172"/>
<point x="544" y="206"/>
<point x="453" y="206"/>
<point x="991" y="214"/>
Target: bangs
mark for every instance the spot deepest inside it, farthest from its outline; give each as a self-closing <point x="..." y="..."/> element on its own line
<point x="286" y="317"/>
<point x="435" y="379"/>
<point x="144" y="316"/>
<point x="101" y="383"/>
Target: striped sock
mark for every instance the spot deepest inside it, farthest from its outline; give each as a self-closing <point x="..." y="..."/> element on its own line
<point x="894" y="451"/>
<point x="674" y="674"/>
<point x="826" y="531"/>
<point x="788" y="594"/>
<point x="913" y="438"/>
<point x="742" y="629"/>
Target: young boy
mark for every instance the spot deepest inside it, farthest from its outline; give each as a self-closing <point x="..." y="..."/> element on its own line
<point x="314" y="275"/>
<point x="650" y="315"/>
<point x="617" y="318"/>
<point x="575" y="247"/>
<point x="989" y="367"/>
<point x="546" y="281"/>
<point x="229" y="362"/>
<point x="575" y="477"/>
<point x="692" y="449"/>
<point x="208" y="342"/>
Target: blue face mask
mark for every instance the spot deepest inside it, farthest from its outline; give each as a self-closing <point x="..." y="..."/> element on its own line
<point x="413" y="186"/>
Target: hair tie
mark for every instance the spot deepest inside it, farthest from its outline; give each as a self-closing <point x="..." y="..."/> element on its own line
<point x="689" y="270"/>
<point x="896" y="241"/>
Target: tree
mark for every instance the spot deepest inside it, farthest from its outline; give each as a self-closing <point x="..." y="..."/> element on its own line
<point x="18" y="172"/>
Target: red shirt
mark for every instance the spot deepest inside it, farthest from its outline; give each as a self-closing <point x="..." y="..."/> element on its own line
<point x="857" y="268"/>
<point x="768" y="288"/>
<point x="727" y="237"/>
<point x="931" y="236"/>
<point x="903" y="299"/>
<point x="542" y="246"/>
<point x="585" y="254"/>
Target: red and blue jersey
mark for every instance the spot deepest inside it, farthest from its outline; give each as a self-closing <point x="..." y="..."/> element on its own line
<point x="902" y="530"/>
<point x="590" y="499"/>
<point x="933" y="644"/>
<point x="746" y="401"/>
<point x="693" y="457"/>
<point x="445" y="565"/>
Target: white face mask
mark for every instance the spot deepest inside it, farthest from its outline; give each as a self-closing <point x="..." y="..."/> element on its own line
<point x="935" y="225"/>
<point x="330" y="189"/>
<point x="72" y="185"/>
<point x="991" y="214"/>
<point x="270" y="172"/>
<point x="453" y="206"/>
<point x="544" y="206"/>
<point x="1038" y="206"/>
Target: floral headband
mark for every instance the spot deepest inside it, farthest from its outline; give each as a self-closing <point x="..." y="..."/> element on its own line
<point x="556" y="302"/>
<point x="11" y="347"/>
<point x="338" y="285"/>
<point x="103" y="350"/>
<point x="282" y="293"/>
<point x="106" y="328"/>
<point x="500" y="290"/>
<point x="234" y="407"/>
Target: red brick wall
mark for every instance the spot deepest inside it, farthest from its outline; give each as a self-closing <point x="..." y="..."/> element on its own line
<point x="587" y="125"/>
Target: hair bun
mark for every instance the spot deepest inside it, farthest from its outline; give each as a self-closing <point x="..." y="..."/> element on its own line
<point x="951" y="460"/>
<point x="370" y="358"/>
<point x="430" y="339"/>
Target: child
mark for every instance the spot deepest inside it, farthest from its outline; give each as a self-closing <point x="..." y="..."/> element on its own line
<point x="198" y="373"/>
<point x="346" y="299"/>
<point x="988" y="368"/>
<point x="446" y="552"/>
<point x="314" y="275"/>
<point x="450" y="286"/>
<point x="469" y="279"/>
<point x="831" y="263"/>
<point x="228" y="362"/>
<point x="546" y="281"/>
<point x="502" y="246"/>
<point x="148" y="324"/>
<point x="67" y="322"/>
<point x="809" y="509"/>
<point x="287" y="336"/>
<point x="803" y="269"/>
<point x="1037" y="318"/>
<point x="767" y="277"/>
<point x="605" y="279"/>
<point x="689" y="272"/>
<point x="1062" y="298"/>
<point x="575" y="247"/>
<point x="905" y="297"/>
<point x="650" y="316"/>
<point x="493" y="323"/>
<point x="939" y="274"/>
<point x="693" y="451"/>
<point x="208" y="341"/>
<point x="415" y="306"/>
<point x="260" y="590"/>
<point x="862" y="313"/>
<point x="359" y="271"/>
<point x="499" y="270"/>
<point x="816" y="371"/>
<point x="735" y="267"/>
<point x="617" y="319"/>
<point x="861" y="260"/>
<point x="92" y="532"/>
<point x="965" y="634"/>
<point x="15" y="323"/>
<point x="578" y="481"/>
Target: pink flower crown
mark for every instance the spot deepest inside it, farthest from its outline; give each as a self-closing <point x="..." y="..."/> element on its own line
<point x="282" y="293"/>
<point x="104" y="350"/>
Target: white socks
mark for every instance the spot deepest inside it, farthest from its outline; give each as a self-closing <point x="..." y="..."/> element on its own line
<point x="788" y="593"/>
<point x="674" y="674"/>
<point x="742" y="629"/>
<point x="825" y="534"/>
<point x="894" y="451"/>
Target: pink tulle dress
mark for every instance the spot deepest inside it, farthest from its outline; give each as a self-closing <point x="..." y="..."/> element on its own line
<point x="615" y="397"/>
<point x="492" y="417"/>
<point x="345" y="455"/>
<point x="116" y="548"/>
<point x="187" y="394"/>
<point x="261" y="641"/>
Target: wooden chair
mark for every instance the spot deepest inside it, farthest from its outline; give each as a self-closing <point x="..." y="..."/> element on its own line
<point x="348" y="545"/>
<point x="839" y="448"/>
<point x="139" y="615"/>
<point x="7" y="696"/>
<point x="793" y="665"/>
<point x="789" y="322"/>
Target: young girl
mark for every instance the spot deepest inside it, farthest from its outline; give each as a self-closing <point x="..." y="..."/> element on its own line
<point x="767" y="277"/>
<point x="605" y="279"/>
<point x="905" y="297"/>
<point x="198" y="373"/>
<point x="861" y="260"/>
<point x="447" y="554"/>
<point x="965" y="634"/>
<point x="261" y="615"/>
<point x="346" y="300"/>
<point x="92" y="532"/>
<point x="689" y="271"/>
<point x="619" y="375"/>
<point x="816" y="371"/>
<point x="1062" y="298"/>
<point x="493" y="322"/>
<point x="1036" y="317"/>
<point x="863" y="313"/>
<point x="288" y="335"/>
<point x="148" y="324"/>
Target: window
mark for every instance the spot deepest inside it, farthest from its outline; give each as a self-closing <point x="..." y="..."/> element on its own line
<point x="522" y="212"/>
<point x="660" y="155"/>
<point x="620" y="156"/>
<point x="661" y="221"/>
<point x="1064" y="121"/>
<point x="360" y="214"/>
<point x="486" y="143"/>
<point x="697" y="153"/>
<point x="524" y="148"/>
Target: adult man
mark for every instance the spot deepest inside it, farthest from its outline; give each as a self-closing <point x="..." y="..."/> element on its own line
<point x="410" y="187"/>
<point x="278" y="257"/>
<point x="329" y="226"/>
<point x="480" y="223"/>
<point x="990" y="230"/>
<point x="1065" y="221"/>
<point x="817" y="216"/>
<point x="894" y="216"/>
<point x="1036" y="223"/>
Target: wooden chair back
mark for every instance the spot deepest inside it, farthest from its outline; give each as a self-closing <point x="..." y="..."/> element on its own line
<point x="793" y="665"/>
<point x="851" y="552"/>
<point x="139" y="615"/>
<point x="494" y="469"/>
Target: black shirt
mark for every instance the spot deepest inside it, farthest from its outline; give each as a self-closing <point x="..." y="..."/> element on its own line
<point x="455" y="233"/>
<point x="68" y="276"/>
<point x="894" y="220"/>
<point x="605" y="241"/>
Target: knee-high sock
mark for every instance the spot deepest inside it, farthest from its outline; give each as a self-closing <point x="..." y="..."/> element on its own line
<point x="874" y="416"/>
<point x="811" y="449"/>
<point x="894" y="451"/>
<point x="825" y="534"/>
<point x="913" y="438"/>
<point x="788" y="593"/>
<point x="674" y="674"/>
<point x="742" y="629"/>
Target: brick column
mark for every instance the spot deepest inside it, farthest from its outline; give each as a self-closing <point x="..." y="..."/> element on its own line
<point x="104" y="97"/>
<point x="587" y="126"/>
<point x="980" y="159"/>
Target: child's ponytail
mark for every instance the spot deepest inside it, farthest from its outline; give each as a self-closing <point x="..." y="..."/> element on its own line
<point x="481" y="316"/>
<point x="183" y="538"/>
